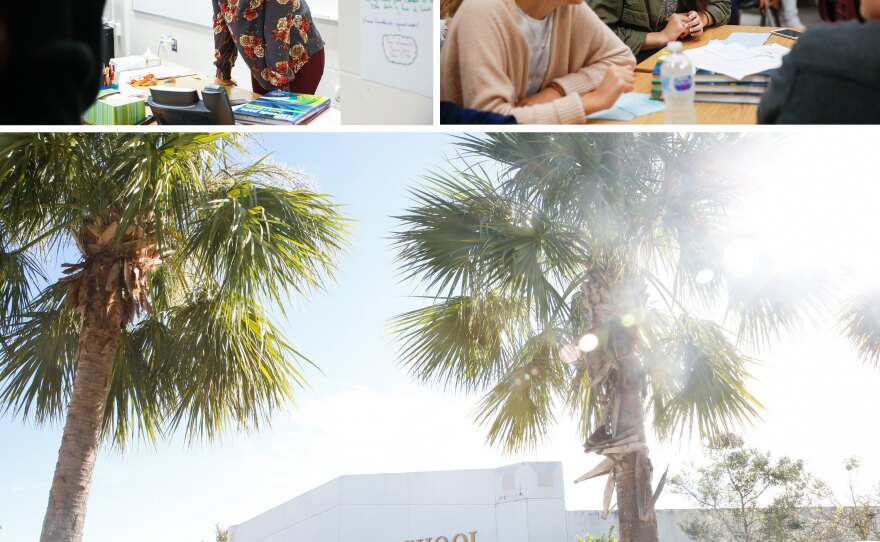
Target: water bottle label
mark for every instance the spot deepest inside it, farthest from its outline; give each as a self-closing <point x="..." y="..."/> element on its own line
<point x="677" y="83"/>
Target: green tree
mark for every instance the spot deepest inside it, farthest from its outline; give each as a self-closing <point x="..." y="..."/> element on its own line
<point x="570" y="270"/>
<point x="746" y="495"/>
<point x="858" y="517"/>
<point x="158" y="321"/>
<point x="220" y="534"/>
<point x="606" y="537"/>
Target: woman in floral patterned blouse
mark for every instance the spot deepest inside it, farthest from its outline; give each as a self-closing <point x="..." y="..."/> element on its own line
<point x="277" y="39"/>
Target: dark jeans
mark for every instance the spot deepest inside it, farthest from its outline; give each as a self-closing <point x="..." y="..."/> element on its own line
<point x="306" y="81"/>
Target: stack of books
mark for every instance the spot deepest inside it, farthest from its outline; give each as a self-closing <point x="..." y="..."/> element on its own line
<point x="715" y="87"/>
<point x="280" y="107"/>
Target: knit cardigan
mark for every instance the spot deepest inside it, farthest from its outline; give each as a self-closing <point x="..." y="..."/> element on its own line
<point x="485" y="60"/>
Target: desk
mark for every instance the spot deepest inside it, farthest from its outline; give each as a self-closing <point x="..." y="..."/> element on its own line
<point x="707" y="113"/>
<point x="330" y="117"/>
<point x="715" y="33"/>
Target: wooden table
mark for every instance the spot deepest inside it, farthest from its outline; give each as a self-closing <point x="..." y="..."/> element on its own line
<point x="716" y="33"/>
<point x="707" y="113"/>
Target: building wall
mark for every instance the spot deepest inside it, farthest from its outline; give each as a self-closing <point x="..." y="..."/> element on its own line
<point x="524" y="502"/>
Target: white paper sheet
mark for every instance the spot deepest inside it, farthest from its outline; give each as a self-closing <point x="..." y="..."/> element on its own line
<point x="736" y="61"/>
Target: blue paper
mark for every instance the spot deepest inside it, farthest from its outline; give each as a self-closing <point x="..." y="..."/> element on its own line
<point x="629" y="106"/>
<point x="746" y="39"/>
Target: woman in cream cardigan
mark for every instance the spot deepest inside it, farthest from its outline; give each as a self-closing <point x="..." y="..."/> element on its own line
<point x="542" y="61"/>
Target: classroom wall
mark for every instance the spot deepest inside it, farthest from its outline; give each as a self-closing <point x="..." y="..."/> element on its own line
<point x="195" y="43"/>
<point x="361" y="101"/>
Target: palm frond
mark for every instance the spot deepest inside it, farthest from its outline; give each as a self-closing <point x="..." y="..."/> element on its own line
<point x="860" y="322"/>
<point x="139" y="400"/>
<point x="519" y="410"/>
<point x="228" y="365"/>
<point x="255" y="238"/>
<point x="37" y="364"/>
<point x="770" y="302"/>
<point x="19" y="271"/>
<point x="584" y="400"/>
<point x="461" y="341"/>
<point x="697" y="377"/>
<point x="462" y="237"/>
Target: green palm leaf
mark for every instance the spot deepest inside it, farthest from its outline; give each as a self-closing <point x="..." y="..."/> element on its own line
<point x="38" y="362"/>
<point x="461" y="341"/>
<point x="698" y="378"/>
<point x="225" y="363"/>
<point x="256" y="238"/>
<point x="519" y="409"/>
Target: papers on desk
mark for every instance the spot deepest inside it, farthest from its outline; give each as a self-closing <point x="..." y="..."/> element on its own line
<point x="629" y="106"/>
<point x="746" y="39"/>
<point x="736" y="61"/>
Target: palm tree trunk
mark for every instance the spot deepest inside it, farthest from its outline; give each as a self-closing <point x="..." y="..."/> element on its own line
<point x="632" y="528"/>
<point x="99" y="338"/>
<point x="605" y="303"/>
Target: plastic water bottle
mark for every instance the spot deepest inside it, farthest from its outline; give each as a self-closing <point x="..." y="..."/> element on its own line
<point x="677" y="81"/>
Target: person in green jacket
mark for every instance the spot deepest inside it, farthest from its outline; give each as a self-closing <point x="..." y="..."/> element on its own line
<point x="648" y="25"/>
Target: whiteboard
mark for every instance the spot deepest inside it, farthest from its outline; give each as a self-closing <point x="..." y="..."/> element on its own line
<point x="197" y="12"/>
<point x="397" y="44"/>
<point x="200" y="12"/>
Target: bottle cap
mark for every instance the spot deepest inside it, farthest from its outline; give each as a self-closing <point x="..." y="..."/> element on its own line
<point x="674" y="46"/>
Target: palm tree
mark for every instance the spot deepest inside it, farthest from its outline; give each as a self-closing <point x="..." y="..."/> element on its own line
<point x="577" y="270"/>
<point x="158" y="320"/>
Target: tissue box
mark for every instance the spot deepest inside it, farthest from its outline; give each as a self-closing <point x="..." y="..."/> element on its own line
<point x="112" y="108"/>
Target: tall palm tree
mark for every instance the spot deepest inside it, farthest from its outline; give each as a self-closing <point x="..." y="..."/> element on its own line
<point x="576" y="270"/>
<point x="158" y="320"/>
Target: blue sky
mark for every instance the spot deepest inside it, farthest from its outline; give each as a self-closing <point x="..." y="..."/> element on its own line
<point x="365" y="414"/>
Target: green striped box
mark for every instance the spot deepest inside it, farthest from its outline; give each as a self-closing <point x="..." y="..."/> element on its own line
<point x="112" y="108"/>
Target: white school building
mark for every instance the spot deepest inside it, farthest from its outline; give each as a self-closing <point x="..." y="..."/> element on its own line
<point x="524" y="502"/>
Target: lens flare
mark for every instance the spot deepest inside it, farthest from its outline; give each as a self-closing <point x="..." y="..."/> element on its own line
<point x="588" y="342"/>
<point x="705" y="276"/>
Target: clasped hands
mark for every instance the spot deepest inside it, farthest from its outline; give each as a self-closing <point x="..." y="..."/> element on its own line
<point x="682" y="25"/>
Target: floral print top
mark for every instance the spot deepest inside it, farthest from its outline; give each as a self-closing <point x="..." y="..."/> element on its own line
<point x="275" y="37"/>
